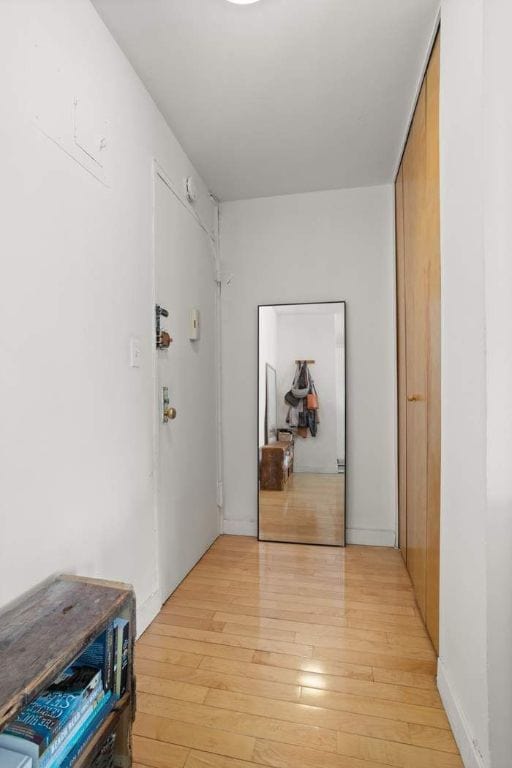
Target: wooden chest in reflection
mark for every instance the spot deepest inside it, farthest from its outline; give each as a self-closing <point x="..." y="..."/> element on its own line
<point x="276" y="464"/>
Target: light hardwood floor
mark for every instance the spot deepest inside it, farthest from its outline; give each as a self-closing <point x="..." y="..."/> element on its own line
<point x="290" y="656"/>
<point x="311" y="509"/>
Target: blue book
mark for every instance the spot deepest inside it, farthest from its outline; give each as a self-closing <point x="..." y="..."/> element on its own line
<point x="40" y="726"/>
<point x="82" y="737"/>
<point x="77" y="740"/>
<point x="99" y="654"/>
<point x="121" y="655"/>
<point x="62" y="740"/>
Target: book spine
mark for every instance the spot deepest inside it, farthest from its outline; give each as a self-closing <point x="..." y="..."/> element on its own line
<point x="125" y="648"/>
<point x="85" y="733"/>
<point x="61" y="744"/>
<point x="122" y="646"/>
<point x="42" y="721"/>
<point x="60" y="738"/>
<point x="37" y="734"/>
<point x="99" y="655"/>
<point x="81" y="714"/>
<point x="20" y="747"/>
<point x="114" y="656"/>
<point x="108" y="666"/>
<point x="39" y="714"/>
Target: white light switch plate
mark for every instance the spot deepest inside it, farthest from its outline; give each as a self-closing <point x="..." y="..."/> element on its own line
<point x="135" y="353"/>
<point x="194" y="330"/>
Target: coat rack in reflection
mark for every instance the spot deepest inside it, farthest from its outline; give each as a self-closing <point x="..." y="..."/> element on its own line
<point x="309" y="362"/>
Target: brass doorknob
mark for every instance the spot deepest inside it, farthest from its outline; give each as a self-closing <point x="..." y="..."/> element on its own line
<point x="414" y="398"/>
<point x="169" y="413"/>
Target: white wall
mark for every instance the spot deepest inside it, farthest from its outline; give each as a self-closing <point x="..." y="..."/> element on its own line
<point x="303" y="336"/>
<point x="463" y="641"/>
<point x="268" y="355"/>
<point x="475" y="670"/>
<point x="498" y="287"/>
<point x="76" y="462"/>
<point x="321" y="246"/>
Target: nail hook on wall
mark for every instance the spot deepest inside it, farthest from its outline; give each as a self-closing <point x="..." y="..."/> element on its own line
<point x="190" y="189"/>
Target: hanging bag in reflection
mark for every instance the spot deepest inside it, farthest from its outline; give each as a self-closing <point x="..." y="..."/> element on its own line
<point x="291" y="399"/>
<point x="312" y="398"/>
<point x="312" y="422"/>
<point x="301" y="382"/>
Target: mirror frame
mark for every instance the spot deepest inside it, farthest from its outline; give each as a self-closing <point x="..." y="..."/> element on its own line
<point x="301" y="304"/>
<point x="268" y="368"/>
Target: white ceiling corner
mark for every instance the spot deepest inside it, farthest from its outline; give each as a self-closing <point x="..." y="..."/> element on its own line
<point x="280" y="96"/>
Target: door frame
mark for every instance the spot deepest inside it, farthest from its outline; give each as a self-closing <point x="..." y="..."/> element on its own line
<point x="156" y="173"/>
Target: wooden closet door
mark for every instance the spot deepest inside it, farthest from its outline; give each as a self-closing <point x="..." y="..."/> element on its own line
<point x="417" y="345"/>
<point x="419" y="348"/>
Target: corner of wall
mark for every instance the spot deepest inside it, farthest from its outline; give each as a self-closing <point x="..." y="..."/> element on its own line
<point x="467" y="743"/>
<point x="371" y="537"/>
<point x="147" y="611"/>
<point x="233" y="527"/>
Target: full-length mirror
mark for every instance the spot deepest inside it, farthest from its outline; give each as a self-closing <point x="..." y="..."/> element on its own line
<point x="301" y="423"/>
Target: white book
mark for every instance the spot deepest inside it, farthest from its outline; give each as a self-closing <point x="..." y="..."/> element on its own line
<point x="9" y="759"/>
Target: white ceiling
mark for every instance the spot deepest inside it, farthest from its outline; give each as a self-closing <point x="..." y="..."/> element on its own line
<point x="280" y="96"/>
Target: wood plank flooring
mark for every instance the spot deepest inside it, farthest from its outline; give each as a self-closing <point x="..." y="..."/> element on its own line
<point x="290" y="656"/>
<point x="310" y="510"/>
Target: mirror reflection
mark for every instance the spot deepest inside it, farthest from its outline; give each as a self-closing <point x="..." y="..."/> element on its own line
<point x="301" y="423"/>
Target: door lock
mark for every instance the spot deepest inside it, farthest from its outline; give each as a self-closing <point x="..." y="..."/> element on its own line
<point x="163" y="339"/>
<point x="168" y="412"/>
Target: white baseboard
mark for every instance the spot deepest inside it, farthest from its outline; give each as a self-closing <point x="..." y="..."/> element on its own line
<point x="240" y="527"/>
<point x="365" y="536"/>
<point x="147" y="611"/>
<point x="303" y="469"/>
<point x="371" y="537"/>
<point x="471" y="756"/>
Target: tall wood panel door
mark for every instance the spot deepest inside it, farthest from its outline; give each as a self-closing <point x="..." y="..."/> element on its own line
<point x="418" y="321"/>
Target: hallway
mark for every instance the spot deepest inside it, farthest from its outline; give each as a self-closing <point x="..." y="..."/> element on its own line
<point x="289" y="656"/>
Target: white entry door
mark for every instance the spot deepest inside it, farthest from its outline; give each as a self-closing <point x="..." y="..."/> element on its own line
<point x="186" y="446"/>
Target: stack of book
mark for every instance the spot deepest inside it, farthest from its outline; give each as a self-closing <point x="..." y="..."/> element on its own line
<point x="54" y="729"/>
